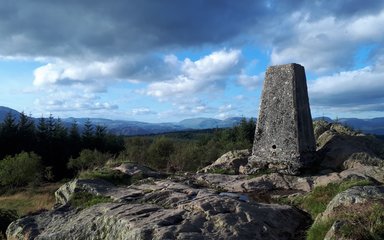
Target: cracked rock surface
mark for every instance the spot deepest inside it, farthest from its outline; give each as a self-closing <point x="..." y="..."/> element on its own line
<point x="164" y="209"/>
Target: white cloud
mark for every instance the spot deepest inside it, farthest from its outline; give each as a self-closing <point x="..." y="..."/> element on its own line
<point x="80" y="71"/>
<point x="360" y="89"/>
<point x="250" y="82"/>
<point x="225" y="108"/>
<point x="329" y="43"/>
<point x="57" y="100"/>
<point x="206" y="74"/>
<point x="142" y="111"/>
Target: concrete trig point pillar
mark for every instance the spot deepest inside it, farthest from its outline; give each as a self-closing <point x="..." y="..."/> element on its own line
<point x="284" y="138"/>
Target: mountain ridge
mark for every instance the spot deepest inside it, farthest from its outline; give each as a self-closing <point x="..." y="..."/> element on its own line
<point x="131" y="127"/>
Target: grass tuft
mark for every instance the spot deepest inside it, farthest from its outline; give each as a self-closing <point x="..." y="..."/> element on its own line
<point x="316" y="201"/>
<point x="84" y="200"/>
<point x="359" y="221"/>
<point x="319" y="230"/>
<point x="112" y="176"/>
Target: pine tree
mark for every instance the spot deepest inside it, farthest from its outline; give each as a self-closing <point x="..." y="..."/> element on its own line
<point x="25" y="133"/>
<point x="87" y="136"/>
<point x="8" y="136"/>
<point x="100" y="138"/>
<point x="74" y="139"/>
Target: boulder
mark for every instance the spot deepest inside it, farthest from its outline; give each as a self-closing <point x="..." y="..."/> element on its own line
<point x="230" y="162"/>
<point x="348" y="204"/>
<point x="334" y="231"/>
<point x="340" y="147"/>
<point x="363" y="172"/>
<point x="354" y="195"/>
<point x="94" y="186"/>
<point x="319" y="127"/>
<point x="133" y="169"/>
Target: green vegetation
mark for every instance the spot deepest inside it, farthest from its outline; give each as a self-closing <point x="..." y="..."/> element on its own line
<point x="187" y="151"/>
<point x="85" y="200"/>
<point x="33" y="154"/>
<point x="29" y="199"/>
<point x="319" y="230"/>
<point x="20" y="170"/>
<point x="88" y="159"/>
<point x="22" y="201"/>
<point x="367" y="224"/>
<point x="359" y="221"/>
<point x="53" y="142"/>
<point x="316" y="201"/>
<point x="112" y="176"/>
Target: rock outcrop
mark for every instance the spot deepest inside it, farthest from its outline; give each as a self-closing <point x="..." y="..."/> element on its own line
<point x="354" y="195"/>
<point x="162" y="209"/>
<point x="133" y="169"/>
<point x="229" y="162"/>
<point x="339" y="147"/>
<point x="353" y="203"/>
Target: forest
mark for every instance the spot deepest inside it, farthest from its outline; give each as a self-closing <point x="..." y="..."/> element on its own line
<point x="45" y="150"/>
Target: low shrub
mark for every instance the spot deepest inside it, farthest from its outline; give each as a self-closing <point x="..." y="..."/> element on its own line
<point x="88" y="159"/>
<point x="20" y="170"/>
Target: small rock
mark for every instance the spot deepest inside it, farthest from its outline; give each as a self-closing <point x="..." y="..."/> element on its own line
<point x="133" y="169"/>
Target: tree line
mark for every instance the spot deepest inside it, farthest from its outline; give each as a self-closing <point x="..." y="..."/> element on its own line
<point x="52" y="142"/>
<point x="187" y="151"/>
<point x="45" y="149"/>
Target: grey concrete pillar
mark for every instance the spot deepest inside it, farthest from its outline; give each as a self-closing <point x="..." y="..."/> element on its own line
<point x="284" y="138"/>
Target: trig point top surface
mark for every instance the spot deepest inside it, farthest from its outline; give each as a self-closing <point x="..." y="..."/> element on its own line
<point x="284" y="138"/>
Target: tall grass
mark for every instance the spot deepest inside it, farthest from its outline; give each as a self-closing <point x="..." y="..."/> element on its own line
<point x="30" y="199"/>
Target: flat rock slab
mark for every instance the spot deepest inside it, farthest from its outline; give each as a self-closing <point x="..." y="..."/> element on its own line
<point x="208" y="217"/>
<point x="163" y="210"/>
<point x="242" y="183"/>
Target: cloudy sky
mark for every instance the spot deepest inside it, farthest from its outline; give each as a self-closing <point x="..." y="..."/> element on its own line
<point x="160" y="61"/>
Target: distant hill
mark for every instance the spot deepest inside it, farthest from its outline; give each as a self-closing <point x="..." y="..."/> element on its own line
<point x="4" y="111"/>
<point x="130" y="128"/>
<point x="205" y="123"/>
<point x="373" y="126"/>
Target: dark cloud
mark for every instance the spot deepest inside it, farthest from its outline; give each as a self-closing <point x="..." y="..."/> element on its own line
<point x="100" y="28"/>
<point x="56" y="28"/>
<point x="344" y="8"/>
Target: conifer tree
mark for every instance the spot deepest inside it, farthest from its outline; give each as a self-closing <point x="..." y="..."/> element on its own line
<point x="8" y="135"/>
<point x="25" y="133"/>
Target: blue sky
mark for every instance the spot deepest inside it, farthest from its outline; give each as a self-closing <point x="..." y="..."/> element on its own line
<point x="164" y="61"/>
